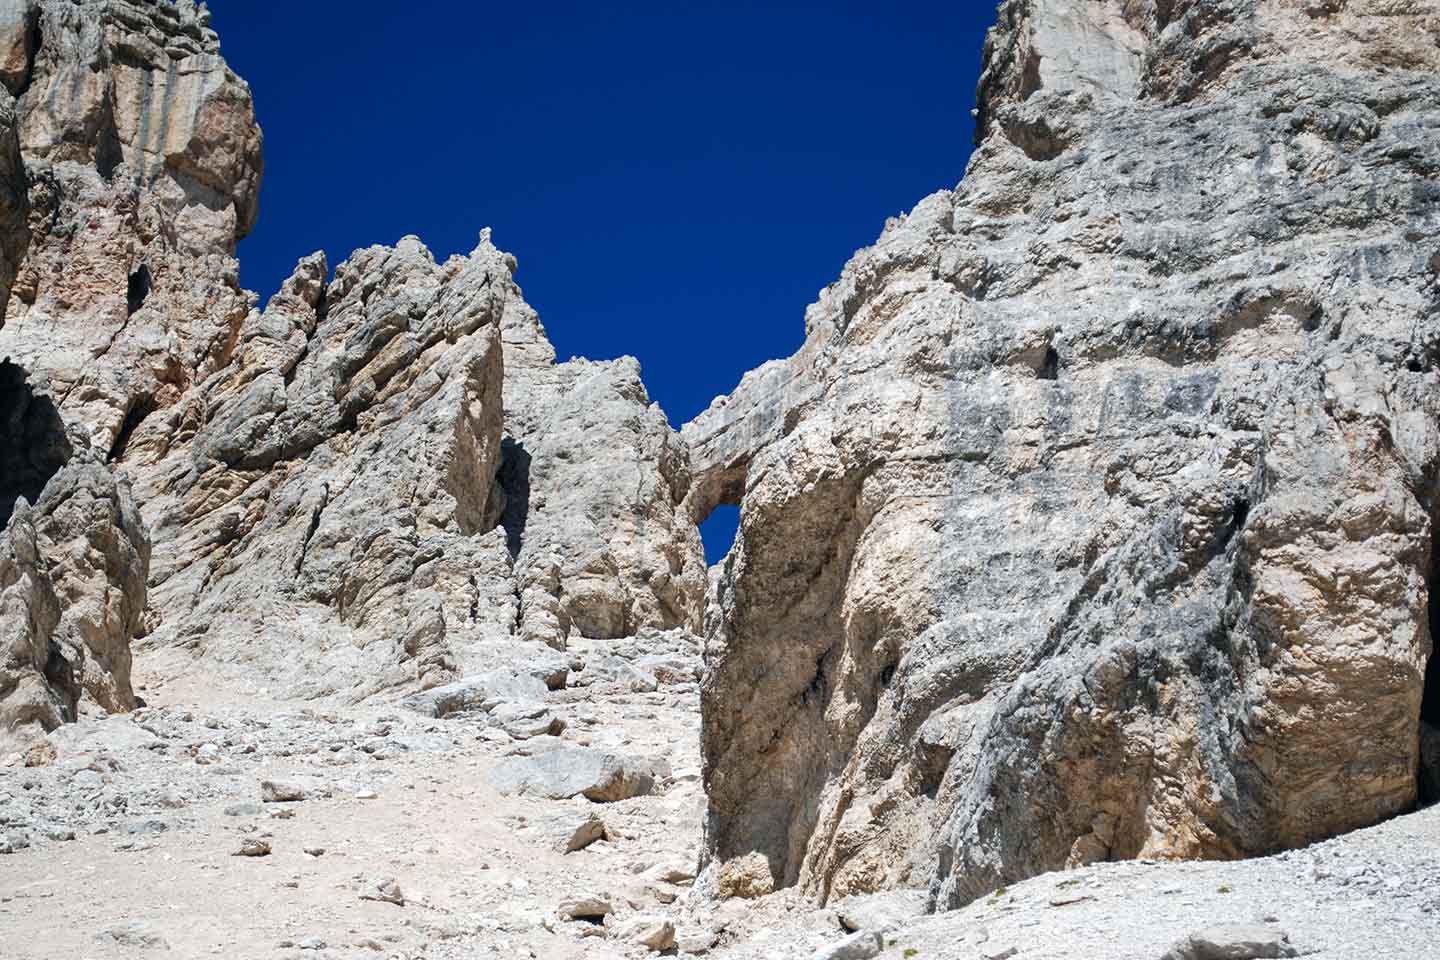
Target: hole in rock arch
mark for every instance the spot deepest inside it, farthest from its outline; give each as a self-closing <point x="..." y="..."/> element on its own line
<point x="33" y="446"/>
<point x="718" y="530"/>
<point x="138" y="288"/>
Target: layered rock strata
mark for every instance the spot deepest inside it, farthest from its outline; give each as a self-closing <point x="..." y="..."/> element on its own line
<point x="1094" y="519"/>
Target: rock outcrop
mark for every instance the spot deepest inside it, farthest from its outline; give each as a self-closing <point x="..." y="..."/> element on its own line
<point x="72" y="591"/>
<point x="395" y="464"/>
<point x="1094" y="519"/>
<point x="73" y="552"/>
<point x="143" y="161"/>
<point x="372" y="483"/>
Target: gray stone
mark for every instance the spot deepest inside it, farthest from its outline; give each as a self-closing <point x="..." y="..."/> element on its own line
<point x="857" y="946"/>
<point x="656" y="933"/>
<point x="385" y="890"/>
<point x="573" y="771"/>
<point x="1234" y="942"/>
<point x="583" y="907"/>
<point x="136" y="934"/>
<point x="880" y="912"/>
<point x="290" y="789"/>
<point x="252" y="847"/>
<point x="590" y="829"/>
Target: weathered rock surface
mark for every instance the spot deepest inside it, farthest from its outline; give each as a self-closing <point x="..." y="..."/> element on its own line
<point x="369" y="484"/>
<point x="1241" y="941"/>
<point x="565" y="772"/>
<point x="1094" y="518"/>
<point x="72" y="591"/>
<point x="368" y="465"/>
<point x="144" y="168"/>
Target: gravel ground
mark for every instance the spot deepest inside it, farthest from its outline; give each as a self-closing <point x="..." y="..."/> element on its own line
<point x="125" y="840"/>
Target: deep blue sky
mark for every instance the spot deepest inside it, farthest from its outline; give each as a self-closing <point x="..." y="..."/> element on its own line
<point x="678" y="181"/>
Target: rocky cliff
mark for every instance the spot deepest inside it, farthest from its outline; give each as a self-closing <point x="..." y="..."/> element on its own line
<point x="1093" y="520"/>
<point x="1095" y="517"/>
<point x="383" y="479"/>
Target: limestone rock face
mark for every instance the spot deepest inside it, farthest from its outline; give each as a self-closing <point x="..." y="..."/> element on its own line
<point x="597" y="482"/>
<point x="32" y="691"/>
<point x="338" y="473"/>
<point x="98" y="558"/>
<point x="144" y="169"/>
<point x="72" y="591"/>
<point x="371" y="467"/>
<point x="377" y="481"/>
<point x="1094" y="517"/>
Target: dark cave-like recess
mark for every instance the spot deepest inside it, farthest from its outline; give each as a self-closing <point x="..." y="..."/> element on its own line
<point x="33" y="447"/>
<point x="138" y="288"/>
<point x="1429" y="774"/>
<point x="1430" y="705"/>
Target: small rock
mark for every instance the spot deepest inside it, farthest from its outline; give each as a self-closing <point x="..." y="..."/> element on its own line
<point x="1241" y="941"/>
<point x="524" y="721"/>
<point x="746" y="877"/>
<point x="133" y="933"/>
<point x="673" y="872"/>
<point x="367" y="795"/>
<point x="880" y="912"/>
<point x="656" y="933"/>
<point x="587" y="831"/>
<point x="574" y="771"/>
<point x="290" y="789"/>
<point x="385" y="891"/>
<point x="253" y="847"/>
<point x="41" y="754"/>
<point x="857" y="946"/>
<point x="696" y="941"/>
<point x="243" y="810"/>
<point x="315" y="851"/>
<point x="583" y="907"/>
<point x="207" y="753"/>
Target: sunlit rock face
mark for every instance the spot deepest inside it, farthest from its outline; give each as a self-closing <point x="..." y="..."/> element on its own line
<point x="1094" y="518"/>
<point x="392" y="481"/>
<point x="381" y="480"/>
<point x="143" y="161"/>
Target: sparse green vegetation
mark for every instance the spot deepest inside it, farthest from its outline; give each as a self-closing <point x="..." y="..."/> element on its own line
<point x="911" y="952"/>
<point x="1224" y="888"/>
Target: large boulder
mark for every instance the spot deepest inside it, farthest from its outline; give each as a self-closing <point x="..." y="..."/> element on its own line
<point x="567" y="772"/>
<point x="1094" y="517"/>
